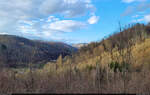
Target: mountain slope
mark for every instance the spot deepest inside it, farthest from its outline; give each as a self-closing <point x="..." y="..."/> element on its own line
<point x="17" y="50"/>
<point x="115" y="48"/>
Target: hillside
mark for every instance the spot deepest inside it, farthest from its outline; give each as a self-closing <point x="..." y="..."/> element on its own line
<point x="117" y="64"/>
<point x="21" y="51"/>
<point x="126" y="38"/>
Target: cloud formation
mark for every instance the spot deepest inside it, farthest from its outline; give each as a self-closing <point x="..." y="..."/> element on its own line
<point x="147" y="18"/>
<point x="66" y="25"/>
<point x="49" y="28"/>
<point x="130" y="1"/>
<point x="35" y="18"/>
<point x="93" y="20"/>
<point x="68" y="8"/>
<point x="136" y="8"/>
<point x="144" y="18"/>
<point x="39" y="8"/>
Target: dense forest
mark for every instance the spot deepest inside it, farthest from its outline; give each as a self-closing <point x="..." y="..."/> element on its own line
<point x="17" y="51"/>
<point x="116" y="64"/>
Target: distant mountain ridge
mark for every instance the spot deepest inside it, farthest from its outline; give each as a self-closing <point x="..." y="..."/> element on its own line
<point x="79" y="45"/>
<point x="16" y="50"/>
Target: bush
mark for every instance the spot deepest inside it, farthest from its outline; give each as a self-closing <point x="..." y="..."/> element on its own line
<point x="115" y="66"/>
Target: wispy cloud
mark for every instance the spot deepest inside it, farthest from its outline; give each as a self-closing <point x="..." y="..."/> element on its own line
<point x="50" y="27"/>
<point x="94" y="19"/>
<point x="131" y="1"/>
<point x="140" y="7"/>
<point x="68" y="8"/>
<point x="144" y="18"/>
<point x="66" y="25"/>
<point x="147" y="18"/>
<point x="35" y="18"/>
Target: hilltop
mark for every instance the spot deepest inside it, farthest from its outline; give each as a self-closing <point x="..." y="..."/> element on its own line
<point x="127" y="37"/>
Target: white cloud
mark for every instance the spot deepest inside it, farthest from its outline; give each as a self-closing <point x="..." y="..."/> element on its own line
<point x="141" y="7"/>
<point x="37" y="8"/>
<point x="68" y="8"/>
<point x="135" y="16"/>
<point x="137" y="20"/>
<point x="67" y="25"/>
<point x="33" y="18"/>
<point x="137" y="7"/>
<point x="49" y="28"/>
<point x="93" y="19"/>
<point x="52" y="18"/>
<point x="147" y="18"/>
<point x="130" y="1"/>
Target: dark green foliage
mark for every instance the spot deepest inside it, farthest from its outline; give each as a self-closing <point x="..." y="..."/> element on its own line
<point x="90" y="67"/>
<point x="115" y="66"/>
<point x="3" y="47"/>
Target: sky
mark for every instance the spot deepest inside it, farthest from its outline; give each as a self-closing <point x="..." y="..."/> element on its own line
<point x="70" y="21"/>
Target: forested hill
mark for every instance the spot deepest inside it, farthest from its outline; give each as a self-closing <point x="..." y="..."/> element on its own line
<point x="126" y="37"/>
<point x="20" y="51"/>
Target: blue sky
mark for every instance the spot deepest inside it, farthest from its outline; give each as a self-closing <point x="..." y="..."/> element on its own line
<point x="70" y="21"/>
